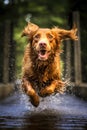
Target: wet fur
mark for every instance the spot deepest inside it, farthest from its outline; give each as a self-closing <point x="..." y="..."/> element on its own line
<point x="42" y="78"/>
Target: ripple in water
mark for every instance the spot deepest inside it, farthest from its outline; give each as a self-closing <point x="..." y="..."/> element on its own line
<point x="58" y="111"/>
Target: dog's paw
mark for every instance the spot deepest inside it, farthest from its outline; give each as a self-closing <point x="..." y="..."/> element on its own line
<point x="46" y="91"/>
<point x="34" y="99"/>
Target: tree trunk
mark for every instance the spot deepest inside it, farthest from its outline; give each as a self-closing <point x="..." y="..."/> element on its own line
<point x="77" y="50"/>
<point x="6" y="52"/>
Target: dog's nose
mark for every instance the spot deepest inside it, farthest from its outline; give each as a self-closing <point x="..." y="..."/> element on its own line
<point x="42" y="44"/>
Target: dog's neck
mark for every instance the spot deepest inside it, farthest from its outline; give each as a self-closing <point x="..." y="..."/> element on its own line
<point x="42" y="65"/>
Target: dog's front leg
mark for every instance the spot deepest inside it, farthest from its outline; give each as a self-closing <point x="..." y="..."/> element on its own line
<point x="26" y="85"/>
<point x="55" y="86"/>
<point x="49" y="89"/>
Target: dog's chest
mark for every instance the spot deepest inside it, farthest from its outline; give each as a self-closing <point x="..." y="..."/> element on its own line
<point x="42" y="73"/>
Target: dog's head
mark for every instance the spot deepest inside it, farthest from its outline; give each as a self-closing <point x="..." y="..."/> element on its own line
<point x="45" y="42"/>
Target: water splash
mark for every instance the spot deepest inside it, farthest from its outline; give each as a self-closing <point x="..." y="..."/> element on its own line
<point x="28" y="17"/>
<point x="16" y="111"/>
<point x="59" y="102"/>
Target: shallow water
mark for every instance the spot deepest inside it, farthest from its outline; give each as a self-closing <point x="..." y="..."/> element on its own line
<point x="56" y="112"/>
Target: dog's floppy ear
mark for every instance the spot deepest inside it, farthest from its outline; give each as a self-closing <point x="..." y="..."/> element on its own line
<point x="64" y="34"/>
<point x="30" y="30"/>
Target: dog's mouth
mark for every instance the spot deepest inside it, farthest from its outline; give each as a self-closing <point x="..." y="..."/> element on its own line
<point x="43" y="54"/>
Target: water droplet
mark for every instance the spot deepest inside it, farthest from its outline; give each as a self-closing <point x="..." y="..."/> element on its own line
<point x="28" y="17"/>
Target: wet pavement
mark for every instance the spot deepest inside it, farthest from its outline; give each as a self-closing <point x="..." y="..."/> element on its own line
<point x="59" y="112"/>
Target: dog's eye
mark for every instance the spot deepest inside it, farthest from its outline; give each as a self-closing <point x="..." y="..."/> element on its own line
<point x="50" y="36"/>
<point x="37" y="36"/>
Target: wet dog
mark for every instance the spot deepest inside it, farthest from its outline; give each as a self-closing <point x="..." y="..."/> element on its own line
<point x="41" y="62"/>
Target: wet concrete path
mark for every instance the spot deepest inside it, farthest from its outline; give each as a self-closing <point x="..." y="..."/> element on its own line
<point x="59" y="112"/>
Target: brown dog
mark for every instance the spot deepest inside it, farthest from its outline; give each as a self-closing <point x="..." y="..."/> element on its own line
<point x="41" y="62"/>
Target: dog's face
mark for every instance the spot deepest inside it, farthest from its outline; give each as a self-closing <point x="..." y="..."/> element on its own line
<point x="45" y="42"/>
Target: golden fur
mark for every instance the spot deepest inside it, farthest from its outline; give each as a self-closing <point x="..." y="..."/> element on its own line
<point x="41" y="62"/>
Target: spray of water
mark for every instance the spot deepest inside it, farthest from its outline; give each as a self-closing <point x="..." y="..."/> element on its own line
<point x="28" y="17"/>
